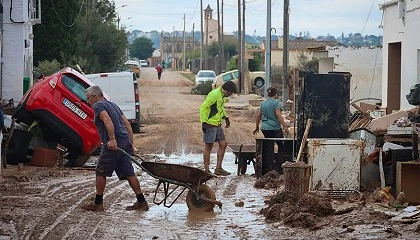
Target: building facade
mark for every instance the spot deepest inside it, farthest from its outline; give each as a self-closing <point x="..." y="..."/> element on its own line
<point x="401" y="52"/>
<point x="17" y="46"/>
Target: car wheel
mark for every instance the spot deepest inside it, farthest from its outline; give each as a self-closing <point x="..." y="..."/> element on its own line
<point x="76" y="159"/>
<point x="135" y="127"/>
<point x="259" y="82"/>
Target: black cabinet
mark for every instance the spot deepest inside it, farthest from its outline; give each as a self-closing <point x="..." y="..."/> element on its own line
<point x="324" y="98"/>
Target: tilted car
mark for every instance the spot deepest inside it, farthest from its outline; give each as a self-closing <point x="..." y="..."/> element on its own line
<point x="58" y="102"/>
<point x="256" y="79"/>
<point x="204" y="76"/>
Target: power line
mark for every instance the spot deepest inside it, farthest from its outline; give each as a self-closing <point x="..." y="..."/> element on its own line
<point x="61" y="21"/>
<point x="195" y="11"/>
<point x="367" y="18"/>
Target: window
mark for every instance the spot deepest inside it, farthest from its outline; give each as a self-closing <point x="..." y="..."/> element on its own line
<point x="34" y="11"/>
<point x="227" y="77"/>
<point x="236" y="74"/>
<point x="74" y="85"/>
<point x="206" y="74"/>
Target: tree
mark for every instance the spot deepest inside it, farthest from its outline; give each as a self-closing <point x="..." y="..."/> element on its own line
<point x="55" y="37"/>
<point x="89" y="37"/>
<point x="101" y="45"/>
<point x="305" y="64"/>
<point x="141" y="48"/>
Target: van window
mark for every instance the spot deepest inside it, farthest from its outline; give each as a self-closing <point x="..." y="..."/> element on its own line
<point x="236" y="74"/>
<point x="74" y="85"/>
<point x="227" y="77"/>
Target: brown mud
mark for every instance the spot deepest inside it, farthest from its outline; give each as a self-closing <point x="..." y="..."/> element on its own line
<point x="45" y="203"/>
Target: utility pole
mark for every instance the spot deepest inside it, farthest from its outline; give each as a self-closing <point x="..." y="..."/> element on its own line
<point x="239" y="48"/>
<point x="207" y="41"/>
<point x="1" y="49"/>
<point x="243" y="60"/>
<point x="223" y="43"/>
<point x="202" y="37"/>
<point x="219" y="44"/>
<point x="174" y="50"/>
<point x="285" y="50"/>
<point x="268" y="50"/>
<point x="193" y="48"/>
<point x="183" y="48"/>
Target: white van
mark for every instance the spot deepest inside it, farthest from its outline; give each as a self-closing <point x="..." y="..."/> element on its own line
<point x="122" y="89"/>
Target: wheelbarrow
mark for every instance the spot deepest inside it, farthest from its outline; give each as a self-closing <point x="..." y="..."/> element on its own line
<point x="200" y="197"/>
<point x="244" y="155"/>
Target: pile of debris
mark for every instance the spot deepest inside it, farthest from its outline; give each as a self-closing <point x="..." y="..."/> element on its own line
<point x="270" y="180"/>
<point x="303" y="212"/>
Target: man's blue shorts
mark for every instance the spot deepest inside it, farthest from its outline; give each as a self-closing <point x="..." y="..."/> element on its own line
<point x="110" y="161"/>
<point x="213" y="134"/>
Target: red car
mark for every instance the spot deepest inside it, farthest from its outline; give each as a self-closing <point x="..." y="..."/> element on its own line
<point x="58" y="102"/>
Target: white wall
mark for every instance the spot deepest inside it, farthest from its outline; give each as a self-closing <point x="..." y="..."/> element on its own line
<point x="365" y="65"/>
<point x="406" y="31"/>
<point x="15" y="56"/>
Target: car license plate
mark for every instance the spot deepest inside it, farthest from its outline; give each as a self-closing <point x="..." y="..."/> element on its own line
<point x="74" y="108"/>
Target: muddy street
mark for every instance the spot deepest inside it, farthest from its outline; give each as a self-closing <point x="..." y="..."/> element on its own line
<point x="45" y="203"/>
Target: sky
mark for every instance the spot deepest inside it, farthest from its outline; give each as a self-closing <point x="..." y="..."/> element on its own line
<point x="318" y="17"/>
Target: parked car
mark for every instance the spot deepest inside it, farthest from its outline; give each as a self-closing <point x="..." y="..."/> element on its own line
<point x="256" y="79"/>
<point x="122" y="89"/>
<point x="58" y="104"/>
<point x="143" y="63"/>
<point x="205" y="76"/>
<point x="134" y="66"/>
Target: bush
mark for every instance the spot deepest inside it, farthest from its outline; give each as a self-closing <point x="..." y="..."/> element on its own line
<point x="48" y="67"/>
<point x="202" y="89"/>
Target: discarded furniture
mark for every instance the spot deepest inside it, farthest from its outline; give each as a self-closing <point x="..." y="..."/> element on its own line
<point x="325" y="99"/>
<point x="403" y="154"/>
<point x="335" y="165"/>
<point x="407" y="181"/>
<point x="267" y="159"/>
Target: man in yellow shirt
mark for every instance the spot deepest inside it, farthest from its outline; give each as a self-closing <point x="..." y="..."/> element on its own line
<point x="212" y="113"/>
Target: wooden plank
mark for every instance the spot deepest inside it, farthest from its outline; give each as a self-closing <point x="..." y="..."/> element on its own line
<point x="305" y="136"/>
<point x="361" y="110"/>
<point x="398" y="138"/>
<point x="381" y="169"/>
<point x="258" y="158"/>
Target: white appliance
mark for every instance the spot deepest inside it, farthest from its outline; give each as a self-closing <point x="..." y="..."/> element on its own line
<point x="335" y="164"/>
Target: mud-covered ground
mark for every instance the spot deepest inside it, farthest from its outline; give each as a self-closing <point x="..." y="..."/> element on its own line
<point x="44" y="203"/>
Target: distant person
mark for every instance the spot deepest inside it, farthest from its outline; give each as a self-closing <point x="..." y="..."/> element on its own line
<point x="159" y="70"/>
<point x="212" y="113"/>
<point x="115" y="132"/>
<point x="163" y="65"/>
<point x="270" y="117"/>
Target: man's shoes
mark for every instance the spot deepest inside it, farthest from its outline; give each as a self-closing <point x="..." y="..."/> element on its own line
<point x="138" y="207"/>
<point x="93" y="207"/>
<point x="221" y="172"/>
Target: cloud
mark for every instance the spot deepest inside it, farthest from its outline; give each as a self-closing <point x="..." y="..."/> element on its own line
<point x="319" y="17"/>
